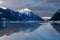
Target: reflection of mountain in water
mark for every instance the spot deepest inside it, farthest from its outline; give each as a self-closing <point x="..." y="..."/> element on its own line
<point x="17" y="27"/>
<point x="56" y="26"/>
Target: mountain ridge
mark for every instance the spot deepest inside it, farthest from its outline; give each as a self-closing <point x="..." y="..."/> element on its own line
<point x="19" y="16"/>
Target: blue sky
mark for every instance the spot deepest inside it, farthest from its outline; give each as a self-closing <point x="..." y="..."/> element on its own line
<point x="40" y="7"/>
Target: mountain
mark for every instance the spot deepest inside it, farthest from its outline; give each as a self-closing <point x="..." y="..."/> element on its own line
<point x="29" y="15"/>
<point x="9" y="14"/>
<point x="56" y="16"/>
<point x="23" y="15"/>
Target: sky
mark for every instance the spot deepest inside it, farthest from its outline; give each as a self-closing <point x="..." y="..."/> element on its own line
<point x="40" y="7"/>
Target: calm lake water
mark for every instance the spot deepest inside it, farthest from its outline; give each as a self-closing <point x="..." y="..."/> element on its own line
<point x="30" y="31"/>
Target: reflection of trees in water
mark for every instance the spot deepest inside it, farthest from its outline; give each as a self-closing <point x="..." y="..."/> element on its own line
<point x="17" y="27"/>
<point x="56" y="26"/>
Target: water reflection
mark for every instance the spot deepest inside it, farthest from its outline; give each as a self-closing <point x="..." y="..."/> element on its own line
<point x="29" y="31"/>
<point x="44" y="32"/>
<point x="11" y="28"/>
<point x="56" y="26"/>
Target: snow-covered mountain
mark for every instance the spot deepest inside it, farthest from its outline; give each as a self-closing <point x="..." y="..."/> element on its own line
<point x="22" y="15"/>
<point x="29" y="15"/>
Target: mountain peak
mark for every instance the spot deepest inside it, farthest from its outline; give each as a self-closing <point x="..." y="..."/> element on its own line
<point x="26" y="11"/>
<point x="56" y="16"/>
<point x="3" y="7"/>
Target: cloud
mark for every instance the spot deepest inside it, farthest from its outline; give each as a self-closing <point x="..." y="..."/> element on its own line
<point x="57" y="1"/>
<point x="1" y="2"/>
<point x="16" y="4"/>
<point x="47" y="7"/>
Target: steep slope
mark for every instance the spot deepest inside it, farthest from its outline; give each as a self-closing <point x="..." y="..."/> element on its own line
<point x="9" y="14"/>
<point x="29" y="15"/>
<point x="56" y="16"/>
<point x="23" y="15"/>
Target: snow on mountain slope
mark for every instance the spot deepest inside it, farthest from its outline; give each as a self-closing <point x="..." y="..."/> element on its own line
<point x="22" y="15"/>
<point x="3" y="7"/>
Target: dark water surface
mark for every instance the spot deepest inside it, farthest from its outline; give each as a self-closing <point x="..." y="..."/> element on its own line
<point x="30" y="31"/>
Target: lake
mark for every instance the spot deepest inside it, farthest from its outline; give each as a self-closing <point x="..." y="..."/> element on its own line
<point x="30" y="31"/>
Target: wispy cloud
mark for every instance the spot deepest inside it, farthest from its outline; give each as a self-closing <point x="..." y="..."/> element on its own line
<point x="1" y="2"/>
<point x="42" y="7"/>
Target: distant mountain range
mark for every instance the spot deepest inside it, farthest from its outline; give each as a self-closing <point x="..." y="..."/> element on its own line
<point x="22" y="15"/>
